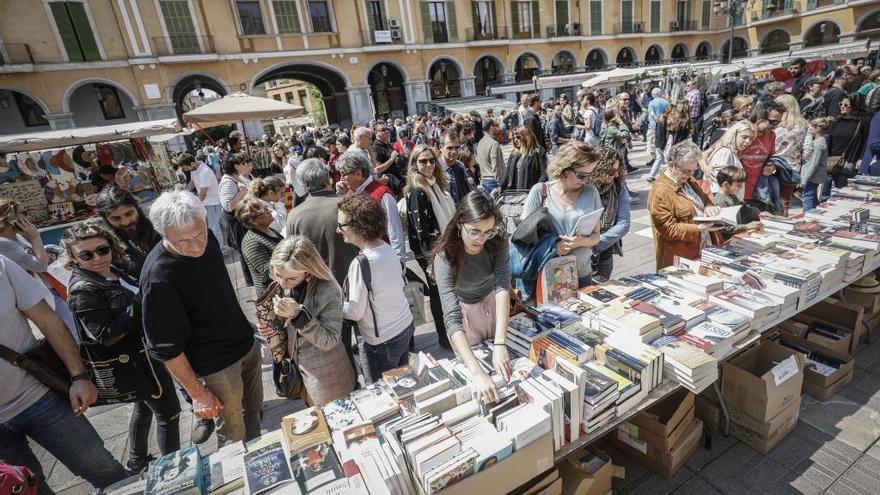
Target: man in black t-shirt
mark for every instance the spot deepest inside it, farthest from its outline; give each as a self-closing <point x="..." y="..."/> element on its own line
<point x="194" y="323"/>
<point x="843" y="77"/>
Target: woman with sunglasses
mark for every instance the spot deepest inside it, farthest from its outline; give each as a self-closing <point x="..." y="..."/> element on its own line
<point x="727" y="152"/>
<point x="429" y="208"/>
<point x="106" y="304"/>
<point x="471" y="265"/>
<point x="570" y="196"/>
<point x="846" y="138"/>
<point x="527" y="164"/>
<point x="309" y="301"/>
<point x="609" y="179"/>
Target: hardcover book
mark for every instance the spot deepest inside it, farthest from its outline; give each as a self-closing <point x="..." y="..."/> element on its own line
<point x="177" y="473"/>
<point x="266" y="468"/>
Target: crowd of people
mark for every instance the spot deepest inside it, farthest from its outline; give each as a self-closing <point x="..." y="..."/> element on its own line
<point x="329" y="268"/>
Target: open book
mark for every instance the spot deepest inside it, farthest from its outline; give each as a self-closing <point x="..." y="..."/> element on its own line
<point x="587" y="224"/>
<point x="727" y="215"/>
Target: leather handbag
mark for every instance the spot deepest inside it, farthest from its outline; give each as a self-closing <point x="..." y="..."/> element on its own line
<point x="840" y="164"/>
<point x="43" y="364"/>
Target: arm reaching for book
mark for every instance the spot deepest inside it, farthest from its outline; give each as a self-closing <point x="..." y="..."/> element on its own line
<point x="500" y="358"/>
<point x="481" y="382"/>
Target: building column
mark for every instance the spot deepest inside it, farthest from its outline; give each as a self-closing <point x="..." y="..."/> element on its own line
<point x="60" y="120"/>
<point x="509" y="78"/>
<point x="467" y="86"/>
<point x="340" y="108"/>
<point x="156" y="112"/>
<point x="416" y="92"/>
<point x="360" y="104"/>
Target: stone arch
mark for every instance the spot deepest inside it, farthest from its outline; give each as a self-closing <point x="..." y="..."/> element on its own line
<point x="386" y="81"/>
<point x="436" y="59"/>
<point x="740" y="48"/>
<point x="17" y="112"/>
<point x="18" y="89"/>
<point x="679" y="52"/>
<point x="330" y="81"/>
<point x="654" y="55"/>
<point x="443" y="82"/>
<point x="596" y="54"/>
<point x="563" y="53"/>
<point x="817" y="35"/>
<point x="214" y="80"/>
<point x="777" y="40"/>
<point x="65" y="100"/>
<point x="400" y="68"/>
<point x="868" y="22"/>
<point x="704" y="50"/>
<point x="484" y="72"/>
<point x="626" y="56"/>
<point x="520" y="71"/>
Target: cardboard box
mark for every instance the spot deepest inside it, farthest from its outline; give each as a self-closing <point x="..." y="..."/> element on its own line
<point x="839" y="314"/>
<point x="546" y="484"/>
<point x="576" y="481"/>
<point x="662" y="424"/>
<point x="516" y="470"/>
<point x="817" y="385"/>
<point x="763" y="381"/>
<point x="709" y="412"/>
<point x="666" y="464"/>
<point x="870" y="302"/>
<point x="763" y="436"/>
<point x="842" y="346"/>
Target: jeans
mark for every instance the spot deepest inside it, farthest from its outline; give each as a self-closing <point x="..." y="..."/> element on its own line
<point x="240" y="389"/>
<point x="603" y="265"/>
<point x="167" y="410"/>
<point x="213" y="219"/>
<point x="236" y="234"/>
<point x="825" y="195"/>
<point x="659" y="161"/>
<point x="808" y="198"/>
<point x="436" y="306"/>
<point x="489" y="185"/>
<point x="70" y="439"/>
<point x="388" y="355"/>
<point x="649" y="141"/>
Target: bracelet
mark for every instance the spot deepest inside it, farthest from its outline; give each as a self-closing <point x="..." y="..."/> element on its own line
<point x="85" y="375"/>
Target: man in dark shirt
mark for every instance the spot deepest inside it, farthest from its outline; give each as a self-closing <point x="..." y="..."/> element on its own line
<point x="843" y="76"/>
<point x="532" y="120"/>
<point x="455" y="172"/>
<point x="386" y="155"/>
<point x="194" y="323"/>
<point x="558" y="134"/>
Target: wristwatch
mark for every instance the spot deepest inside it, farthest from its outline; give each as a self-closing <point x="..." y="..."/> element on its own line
<point x="85" y="375"/>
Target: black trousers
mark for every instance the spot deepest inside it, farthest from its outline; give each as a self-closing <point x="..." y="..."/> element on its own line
<point x="436" y="305"/>
<point x="236" y="234"/>
<point x="167" y="411"/>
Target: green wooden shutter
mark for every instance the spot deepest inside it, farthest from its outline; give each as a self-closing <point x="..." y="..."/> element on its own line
<point x="561" y="17"/>
<point x="475" y="25"/>
<point x="426" y="23"/>
<point x="66" y="31"/>
<point x="812" y="4"/>
<point x="514" y="17"/>
<point x="655" y="16"/>
<point x="451" y="24"/>
<point x="286" y="16"/>
<point x="371" y="23"/>
<point x="180" y="26"/>
<point x="83" y="29"/>
<point x="536" y="19"/>
<point x="494" y="21"/>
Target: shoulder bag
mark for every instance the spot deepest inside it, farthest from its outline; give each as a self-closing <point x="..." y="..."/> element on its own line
<point x="841" y="164"/>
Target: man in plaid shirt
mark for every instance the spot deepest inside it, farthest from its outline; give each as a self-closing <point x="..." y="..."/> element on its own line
<point x="695" y="99"/>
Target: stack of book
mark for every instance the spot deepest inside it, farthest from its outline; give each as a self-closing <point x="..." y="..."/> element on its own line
<point x="635" y="360"/>
<point x="686" y="364"/>
<point x="737" y="322"/>
<point x="522" y="330"/>
<point x="310" y="449"/>
<point x="619" y="317"/>
<point x="629" y="394"/>
<point x="596" y="296"/>
<point x="759" y="307"/>
<point x="559" y="345"/>
<point x="545" y="393"/>
<point x="754" y="240"/>
<point x="601" y="395"/>
<point x="694" y="282"/>
<point x="711" y="338"/>
<point x="723" y="254"/>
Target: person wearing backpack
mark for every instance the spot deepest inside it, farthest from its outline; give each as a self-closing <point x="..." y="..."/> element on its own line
<point x="375" y="299"/>
<point x="812" y="103"/>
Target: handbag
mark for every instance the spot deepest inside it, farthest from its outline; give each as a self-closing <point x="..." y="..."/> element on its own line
<point x="286" y="375"/>
<point x="840" y="164"/>
<point x="43" y="364"/>
<point x="122" y="372"/>
<point x="17" y="480"/>
<point x="415" y="296"/>
<point x="289" y="384"/>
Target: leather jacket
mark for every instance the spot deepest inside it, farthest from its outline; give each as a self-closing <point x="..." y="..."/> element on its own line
<point x="104" y="310"/>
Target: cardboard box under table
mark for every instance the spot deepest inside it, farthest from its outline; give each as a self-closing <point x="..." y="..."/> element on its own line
<point x="762" y="381"/>
<point x="667" y="464"/>
<point x="845" y="318"/>
<point x="577" y="481"/>
<point x="764" y="435"/>
<point x="818" y="385"/>
<point x="707" y="410"/>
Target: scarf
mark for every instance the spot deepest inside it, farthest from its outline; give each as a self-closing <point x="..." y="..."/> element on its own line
<point x="441" y="203"/>
<point x="609" y="196"/>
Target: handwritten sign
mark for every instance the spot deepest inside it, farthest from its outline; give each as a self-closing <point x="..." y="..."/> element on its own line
<point x="30" y="198"/>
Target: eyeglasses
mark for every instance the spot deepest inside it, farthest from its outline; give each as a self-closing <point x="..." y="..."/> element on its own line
<point x="346" y="174"/>
<point x="581" y="175"/>
<point x="844" y="104"/>
<point x="426" y="161"/>
<point x="479" y="234"/>
<point x="89" y="255"/>
<point x="341" y="225"/>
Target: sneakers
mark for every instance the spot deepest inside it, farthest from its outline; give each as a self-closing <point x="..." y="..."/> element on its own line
<point x="201" y="432"/>
<point x="137" y="466"/>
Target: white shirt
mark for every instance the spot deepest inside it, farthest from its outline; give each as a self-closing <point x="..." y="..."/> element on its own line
<point x="395" y="227"/>
<point x="290" y="175"/>
<point x="392" y="308"/>
<point x="203" y="177"/>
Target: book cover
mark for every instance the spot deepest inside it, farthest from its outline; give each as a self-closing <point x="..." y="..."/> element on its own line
<point x="224" y="469"/>
<point x="559" y="279"/>
<point x="373" y="402"/>
<point x="596" y="295"/>
<point x="315" y="466"/>
<point x="266" y="468"/>
<point x="304" y="428"/>
<point x="177" y="473"/>
<point x="404" y="385"/>
<point x="340" y="414"/>
<point x="465" y="465"/>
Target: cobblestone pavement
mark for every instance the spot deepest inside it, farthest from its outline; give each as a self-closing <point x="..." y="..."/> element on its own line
<point x="833" y="449"/>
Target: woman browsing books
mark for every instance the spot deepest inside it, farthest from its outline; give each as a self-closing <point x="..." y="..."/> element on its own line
<point x="569" y="196"/>
<point x="608" y="179"/>
<point x="471" y="266"/>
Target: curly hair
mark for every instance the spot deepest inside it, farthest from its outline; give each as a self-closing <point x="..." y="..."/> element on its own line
<point x="87" y="230"/>
<point x="366" y="218"/>
<point x="571" y="155"/>
<point x="248" y="210"/>
<point x="608" y="157"/>
<point x="260" y="186"/>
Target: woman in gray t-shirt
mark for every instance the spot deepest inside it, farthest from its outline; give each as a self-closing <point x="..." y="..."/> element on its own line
<point x="472" y="268"/>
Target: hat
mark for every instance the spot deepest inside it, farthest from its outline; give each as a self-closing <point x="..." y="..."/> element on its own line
<point x="82" y="157"/>
<point x="866" y="285"/>
<point x="811" y="81"/>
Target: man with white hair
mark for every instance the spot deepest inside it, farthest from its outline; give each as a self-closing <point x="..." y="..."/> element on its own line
<point x="363" y="142"/>
<point x="194" y="322"/>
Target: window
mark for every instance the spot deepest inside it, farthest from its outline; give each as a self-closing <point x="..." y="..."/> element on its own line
<point x="108" y="100"/>
<point x="286" y="16"/>
<point x="31" y="112"/>
<point x="706" y="14"/>
<point x="375" y="17"/>
<point x="595" y="17"/>
<point x="437" y="11"/>
<point x="250" y="17"/>
<point x="484" y="19"/>
<point x="319" y="13"/>
<point x="75" y="31"/>
<point x="562" y="26"/>
<point x="626" y="16"/>
<point x="656" y="8"/>
<point x="289" y="97"/>
<point x="276" y="97"/>
<point x="526" y="22"/>
<point x="181" y="31"/>
<point x="682" y="14"/>
<point x="304" y="100"/>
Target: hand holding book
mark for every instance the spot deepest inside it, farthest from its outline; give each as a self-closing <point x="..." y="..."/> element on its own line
<point x="501" y="361"/>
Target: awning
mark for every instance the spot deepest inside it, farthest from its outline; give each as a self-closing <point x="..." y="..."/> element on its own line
<point x="506" y="89"/>
<point x="466" y="105"/>
<point x="852" y="49"/>
<point x="565" y="80"/>
<point x="237" y="107"/>
<point x="44" y="140"/>
<point x="161" y="138"/>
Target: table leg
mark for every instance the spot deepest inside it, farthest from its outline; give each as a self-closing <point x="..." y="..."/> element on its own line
<point x="726" y="429"/>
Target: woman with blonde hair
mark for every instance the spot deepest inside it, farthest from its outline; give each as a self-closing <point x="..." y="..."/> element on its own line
<point x="744" y="104"/>
<point x="308" y="301"/>
<point x="728" y="151"/>
<point x="527" y="164"/>
<point x="673" y="126"/>
<point x="790" y="135"/>
<point x="429" y="209"/>
<point x="568" y="196"/>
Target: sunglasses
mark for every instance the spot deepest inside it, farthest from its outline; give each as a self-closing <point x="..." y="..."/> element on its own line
<point x="426" y="161"/>
<point x="99" y="251"/>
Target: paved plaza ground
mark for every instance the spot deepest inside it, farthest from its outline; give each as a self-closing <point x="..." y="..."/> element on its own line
<point x="834" y="448"/>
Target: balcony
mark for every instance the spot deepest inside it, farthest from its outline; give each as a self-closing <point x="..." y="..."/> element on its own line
<point x="781" y="8"/>
<point x="495" y="33"/>
<point x="629" y="28"/>
<point x="683" y="25"/>
<point x="183" y="45"/>
<point x="381" y="37"/>
<point x="15" y="53"/>
<point x="556" y="31"/>
<point x="524" y="35"/>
